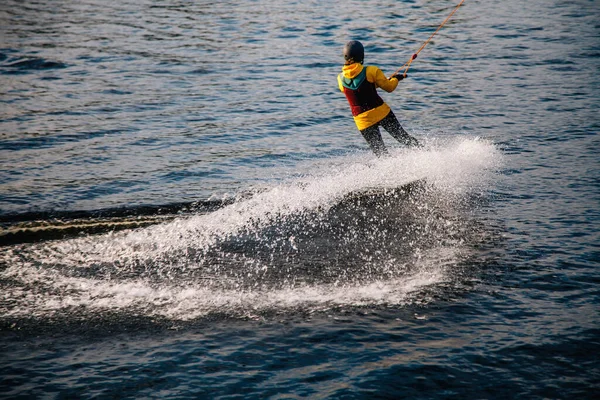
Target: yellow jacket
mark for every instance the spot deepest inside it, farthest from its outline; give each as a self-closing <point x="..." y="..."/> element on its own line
<point x="375" y="76"/>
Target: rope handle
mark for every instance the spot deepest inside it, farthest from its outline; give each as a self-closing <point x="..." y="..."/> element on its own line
<point x="414" y="56"/>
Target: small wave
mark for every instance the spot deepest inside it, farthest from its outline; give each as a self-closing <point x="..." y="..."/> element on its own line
<point x="32" y="227"/>
<point x="24" y="65"/>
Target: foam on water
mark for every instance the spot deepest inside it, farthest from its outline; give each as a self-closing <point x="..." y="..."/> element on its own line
<point x="192" y="266"/>
<point x="194" y="301"/>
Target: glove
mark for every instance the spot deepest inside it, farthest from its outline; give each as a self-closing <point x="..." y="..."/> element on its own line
<point x="398" y="76"/>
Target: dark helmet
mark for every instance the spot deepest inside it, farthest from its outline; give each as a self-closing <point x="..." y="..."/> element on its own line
<point x="354" y="52"/>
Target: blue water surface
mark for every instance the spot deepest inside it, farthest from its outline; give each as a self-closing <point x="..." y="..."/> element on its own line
<point x="187" y="209"/>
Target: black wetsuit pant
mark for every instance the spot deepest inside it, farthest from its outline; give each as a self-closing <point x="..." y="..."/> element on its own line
<point x="390" y="123"/>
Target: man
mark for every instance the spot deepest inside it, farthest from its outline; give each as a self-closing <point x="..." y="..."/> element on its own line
<point x="360" y="84"/>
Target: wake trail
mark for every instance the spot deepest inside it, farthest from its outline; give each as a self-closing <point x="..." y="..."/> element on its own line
<point x="264" y="251"/>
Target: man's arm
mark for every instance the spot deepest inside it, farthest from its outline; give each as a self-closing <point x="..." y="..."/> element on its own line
<point x="376" y="76"/>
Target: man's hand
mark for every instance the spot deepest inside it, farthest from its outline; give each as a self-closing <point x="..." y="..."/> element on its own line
<point x="398" y="76"/>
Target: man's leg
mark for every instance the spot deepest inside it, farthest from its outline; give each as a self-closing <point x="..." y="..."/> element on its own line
<point x="390" y="123"/>
<point x="373" y="137"/>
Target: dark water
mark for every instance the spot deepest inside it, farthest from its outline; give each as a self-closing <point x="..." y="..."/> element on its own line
<point x="188" y="211"/>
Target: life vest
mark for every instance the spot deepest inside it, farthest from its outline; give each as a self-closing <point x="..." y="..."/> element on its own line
<point x="361" y="94"/>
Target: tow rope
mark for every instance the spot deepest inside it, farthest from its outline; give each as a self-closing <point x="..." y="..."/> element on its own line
<point x="407" y="64"/>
